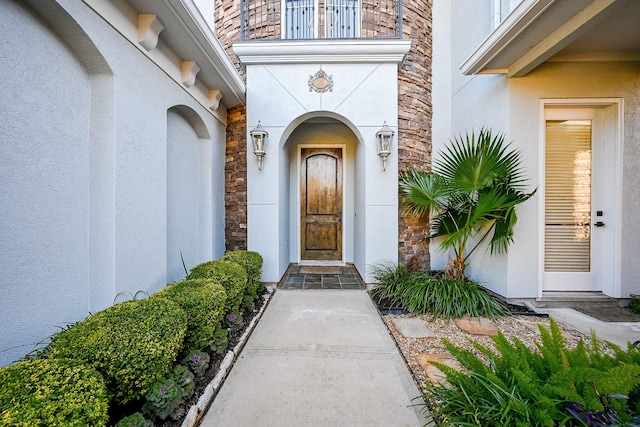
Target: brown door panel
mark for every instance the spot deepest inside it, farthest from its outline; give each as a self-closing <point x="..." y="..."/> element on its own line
<point x="321" y="204"/>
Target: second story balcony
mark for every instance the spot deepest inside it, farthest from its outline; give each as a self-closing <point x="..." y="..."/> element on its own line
<point x="320" y="19"/>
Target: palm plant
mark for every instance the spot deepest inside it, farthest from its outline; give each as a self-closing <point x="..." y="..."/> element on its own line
<point x="469" y="195"/>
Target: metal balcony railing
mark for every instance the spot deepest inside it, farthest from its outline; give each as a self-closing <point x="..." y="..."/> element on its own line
<point x="320" y="19"/>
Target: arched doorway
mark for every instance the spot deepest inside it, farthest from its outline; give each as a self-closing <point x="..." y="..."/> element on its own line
<point x="323" y="186"/>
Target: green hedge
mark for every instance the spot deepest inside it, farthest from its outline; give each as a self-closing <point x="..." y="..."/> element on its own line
<point x="229" y="274"/>
<point x="252" y="264"/>
<point x="204" y="303"/>
<point x="132" y="344"/>
<point x="52" y="392"/>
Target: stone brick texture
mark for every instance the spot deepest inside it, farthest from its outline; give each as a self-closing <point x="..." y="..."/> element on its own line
<point x="227" y="18"/>
<point x="227" y="28"/>
<point x="414" y="123"/>
<point x="235" y="174"/>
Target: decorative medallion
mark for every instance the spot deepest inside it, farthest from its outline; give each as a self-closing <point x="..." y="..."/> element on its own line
<point x="320" y="82"/>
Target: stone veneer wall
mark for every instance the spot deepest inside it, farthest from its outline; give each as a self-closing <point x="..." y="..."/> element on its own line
<point x="227" y="28"/>
<point x="414" y="123"/>
<point x="235" y="179"/>
<point x="227" y="19"/>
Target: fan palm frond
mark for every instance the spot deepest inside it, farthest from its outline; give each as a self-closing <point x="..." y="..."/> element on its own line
<point x="473" y="188"/>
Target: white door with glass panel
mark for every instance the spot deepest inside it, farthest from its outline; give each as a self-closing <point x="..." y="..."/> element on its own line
<point x="578" y="214"/>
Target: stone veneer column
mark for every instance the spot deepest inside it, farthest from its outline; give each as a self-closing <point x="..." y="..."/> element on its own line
<point x="227" y="28"/>
<point x="235" y="180"/>
<point x="414" y="123"/>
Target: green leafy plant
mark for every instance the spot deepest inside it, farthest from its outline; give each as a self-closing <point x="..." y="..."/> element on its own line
<point x="604" y="418"/>
<point x="470" y="195"/>
<point x="391" y="280"/>
<point x="132" y="344"/>
<point x="135" y="420"/>
<point x="634" y="305"/>
<point x="234" y="322"/>
<point x="204" y="303"/>
<point x="52" y="392"/>
<point x="252" y="264"/>
<point x="197" y="361"/>
<point x="522" y="387"/>
<point x="220" y="341"/>
<point x="163" y="398"/>
<point x="184" y="378"/>
<point x="450" y="298"/>
<point x="421" y="293"/>
<point x="230" y="275"/>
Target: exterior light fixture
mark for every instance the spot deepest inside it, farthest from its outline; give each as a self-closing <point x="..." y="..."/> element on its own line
<point x="384" y="137"/>
<point x="259" y="137"/>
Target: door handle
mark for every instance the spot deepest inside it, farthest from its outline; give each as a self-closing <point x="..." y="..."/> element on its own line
<point x="599" y="224"/>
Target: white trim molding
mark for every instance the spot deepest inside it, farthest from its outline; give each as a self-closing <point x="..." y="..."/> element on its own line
<point x="613" y="132"/>
<point x="323" y="51"/>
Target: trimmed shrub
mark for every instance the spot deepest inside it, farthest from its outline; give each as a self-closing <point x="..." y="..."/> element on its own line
<point x="204" y="303"/>
<point x="52" y="392"/>
<point x="132" y="344"/>
<point x="252" y="264"/>
<point x="229" y="274"/>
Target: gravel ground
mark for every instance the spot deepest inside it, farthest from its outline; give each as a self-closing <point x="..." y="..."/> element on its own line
<point x="521" y="326"/>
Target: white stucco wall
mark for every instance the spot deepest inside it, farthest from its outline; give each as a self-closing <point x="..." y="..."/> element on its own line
<point x="513" y="106"/>
<point x="466" y="104"/>
<point x="580" y="82"/>
<point x="364" y="96"/>
<point x="83" y="167"/>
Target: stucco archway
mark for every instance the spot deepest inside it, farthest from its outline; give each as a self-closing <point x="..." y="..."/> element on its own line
<point x="331" y="131"/>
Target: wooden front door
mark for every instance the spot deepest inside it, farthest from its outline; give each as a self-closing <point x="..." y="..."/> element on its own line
<point x="321" y="204"/>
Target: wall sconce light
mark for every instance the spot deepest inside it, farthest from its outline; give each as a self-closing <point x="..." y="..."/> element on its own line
<point x="384" y="137"/>
<point x="259" y="137"/>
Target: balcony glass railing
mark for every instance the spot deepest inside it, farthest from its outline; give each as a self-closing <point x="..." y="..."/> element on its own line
<point x="320" y="19"/>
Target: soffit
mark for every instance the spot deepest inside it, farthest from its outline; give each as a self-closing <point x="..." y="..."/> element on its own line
<point x="574" y="30"/>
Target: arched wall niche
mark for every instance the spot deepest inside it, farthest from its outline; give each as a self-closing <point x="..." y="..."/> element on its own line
<point x="189" y="191"/>
<point x="58" y="173"/>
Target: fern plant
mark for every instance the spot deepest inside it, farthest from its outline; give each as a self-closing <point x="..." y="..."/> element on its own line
<point x="522" y="387"/>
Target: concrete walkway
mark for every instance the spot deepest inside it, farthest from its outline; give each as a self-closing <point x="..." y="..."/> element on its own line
<point x="318" y="358"/>
<point x="619" y="333"/>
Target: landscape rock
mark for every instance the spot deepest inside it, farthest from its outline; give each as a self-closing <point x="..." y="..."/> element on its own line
<point x="412" y="327"/>
<point x="477" y="325"/>
<point x="435" y="375"/>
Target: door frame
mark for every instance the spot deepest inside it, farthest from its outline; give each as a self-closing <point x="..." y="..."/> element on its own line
<point x="345" y="183"/>
<point x="613" y="140"/>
